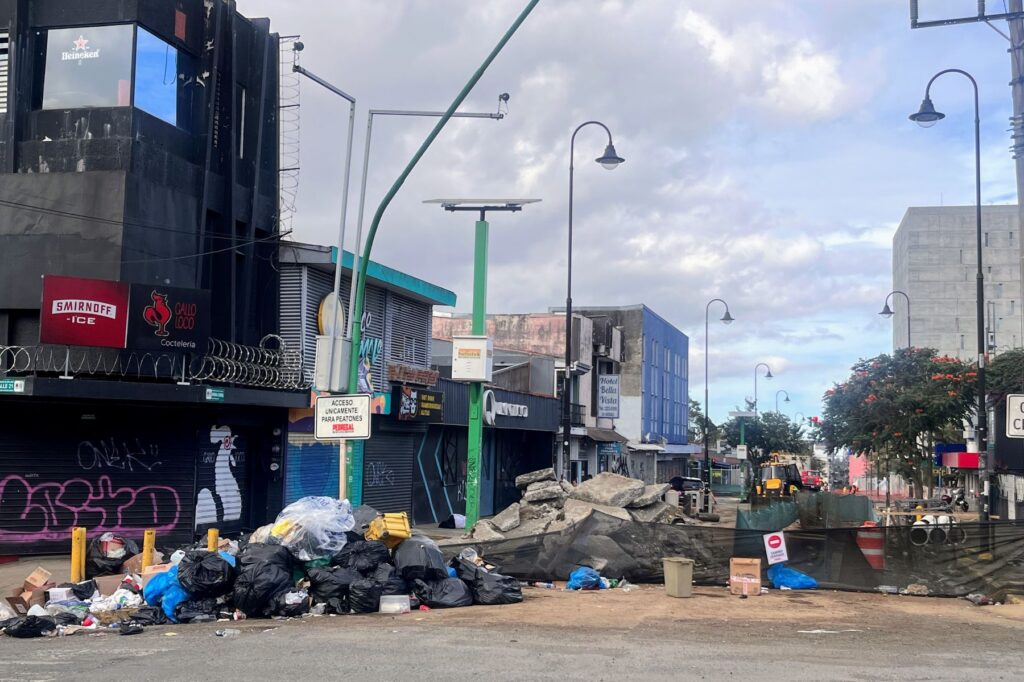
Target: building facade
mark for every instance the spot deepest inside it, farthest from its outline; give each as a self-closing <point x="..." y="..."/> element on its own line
<point x="934" y="260"/>
<point x="138" y="153"/>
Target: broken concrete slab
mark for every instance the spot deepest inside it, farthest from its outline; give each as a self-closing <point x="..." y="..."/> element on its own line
<point x="577" y="510"/>
<point x="535" y="527"/>
<point x="659" y="512"/>
<point x="545" y="490"/>
<point x="534" y="477"/>
<point x="508" y="519"/>
<point x="609" y="489"/>
<point x="650" y="495"/>
<point x="566" y="486"/>
<point x="485" y="530"/>
<point x="532" y="512"/>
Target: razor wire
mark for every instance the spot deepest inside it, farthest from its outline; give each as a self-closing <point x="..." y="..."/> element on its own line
<point x="272" y="364"/>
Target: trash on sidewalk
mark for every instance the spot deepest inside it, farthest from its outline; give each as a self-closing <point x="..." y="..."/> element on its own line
<point x="585" y="578"/>
<point x="979" y="599"/>
<point x="107" y="554"/>
<point x="744" y="576"/>
<point x="32" y="591"/>
<point x="784" y="577"/>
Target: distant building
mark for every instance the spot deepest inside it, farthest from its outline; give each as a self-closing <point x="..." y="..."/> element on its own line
<point x="934" y="260"/>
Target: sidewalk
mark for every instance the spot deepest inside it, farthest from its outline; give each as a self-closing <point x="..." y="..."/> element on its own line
<point x="14" y="573"/>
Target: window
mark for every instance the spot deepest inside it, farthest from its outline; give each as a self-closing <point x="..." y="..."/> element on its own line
<point x="156" y="77"/>
<point x="1011" y="239"/>
<point x="961" y="342"/>
<point x="5" y="43"/>
<point x="87" y="67"/>
<point x="1013" y="307"/>
<point x="986" y="239"/>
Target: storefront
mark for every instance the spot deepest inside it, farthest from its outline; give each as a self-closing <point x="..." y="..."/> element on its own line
<point x="179" y="466"/>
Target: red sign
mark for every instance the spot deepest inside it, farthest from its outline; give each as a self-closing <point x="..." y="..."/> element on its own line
<point x="961" y="460"/>
<point x="774" y="541"/>
<point x="83" y="312"/>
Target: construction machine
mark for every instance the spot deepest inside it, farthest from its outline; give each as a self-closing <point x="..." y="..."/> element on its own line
<point x="776" y="481"/>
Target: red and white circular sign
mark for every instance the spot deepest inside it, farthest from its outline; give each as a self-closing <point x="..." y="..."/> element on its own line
<point x="774" y="541"/>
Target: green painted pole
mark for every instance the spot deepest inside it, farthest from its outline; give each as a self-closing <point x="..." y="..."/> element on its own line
<point x="354" y="454"/>
<point x="476" y="389"/>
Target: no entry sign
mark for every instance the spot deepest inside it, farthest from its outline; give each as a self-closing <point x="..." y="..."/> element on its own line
<point x="775" y="548"/>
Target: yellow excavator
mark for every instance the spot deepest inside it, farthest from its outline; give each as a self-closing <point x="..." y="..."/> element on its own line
<point x="776" y="481"/>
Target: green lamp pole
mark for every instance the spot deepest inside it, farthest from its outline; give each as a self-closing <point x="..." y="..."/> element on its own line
<point x="354" y="449"/>
<point x="475" y="444"/>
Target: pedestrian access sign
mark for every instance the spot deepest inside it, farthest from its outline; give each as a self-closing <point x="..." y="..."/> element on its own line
<point x="775" y="548"/>
<point x="1015" y="416"/>
<point x="343" y="417"/>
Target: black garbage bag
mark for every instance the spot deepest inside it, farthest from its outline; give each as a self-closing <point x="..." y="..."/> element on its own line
<point x="326" y="584"/>
<point x="206" y="574"/>
<point x="196" y="611"/>
<point x="107" y="553"/>
<point x="419" y="558"/>
<point x="395" y="585"/>
<point x="257" y="585"/>
<point x="465" y="570"/>
<point x="83" y="591"/>
<point x="291" y="604"/>
<point x="494" y="588"/>
<point x="67" y="619"/>
<point x="29" y="626"/>
<point x="362" y="514"/>
<point x="256" y="553"/>
<point x="363" y="556"/>
<point x="383" y="573"/>
<point x="150" y="615"/>
<point x="130" y="627"/>
<point x="364" y="596"/>
<point x="449" y="593"/>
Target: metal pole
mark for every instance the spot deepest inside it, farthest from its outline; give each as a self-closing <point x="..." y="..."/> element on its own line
<point x="1016" y="30"/>
<point x="707" y="417"/>
<point x="476" y="389"/>
<point x="360" y="281"/>
<point x="982" y="399"/>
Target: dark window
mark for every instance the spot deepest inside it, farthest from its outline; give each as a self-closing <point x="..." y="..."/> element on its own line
<point x="88" y="67"/>
<point x="156" y="77"/>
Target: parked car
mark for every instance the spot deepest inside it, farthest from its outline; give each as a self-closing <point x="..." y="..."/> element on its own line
<point x="811" y="480"/>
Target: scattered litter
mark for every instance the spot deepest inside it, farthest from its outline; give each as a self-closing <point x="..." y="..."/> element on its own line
<point x="979" y="599"/>
<point x="783" y="576"/>
<point x="228" y="633"/>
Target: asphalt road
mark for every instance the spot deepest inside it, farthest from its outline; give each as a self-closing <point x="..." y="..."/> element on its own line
<point x="411" y="647"/>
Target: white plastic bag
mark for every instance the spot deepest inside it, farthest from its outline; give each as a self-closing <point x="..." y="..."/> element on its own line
<point x="313" y="527"/>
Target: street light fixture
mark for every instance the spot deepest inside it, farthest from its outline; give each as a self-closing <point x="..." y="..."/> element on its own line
<point x="768" y="375"/>
<point x="781" y="390"/>
<point x="727" y="318"/>
<point x="888" y="312"/>
<point x="474" y="448"/>
<point x="927" y="116"/>
<point x="610" y="160"/>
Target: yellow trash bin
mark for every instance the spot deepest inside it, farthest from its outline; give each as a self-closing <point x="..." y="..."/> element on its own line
<point x="678" y="576"/>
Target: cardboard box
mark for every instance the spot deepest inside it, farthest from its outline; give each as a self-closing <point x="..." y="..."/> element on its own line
<point x="108" y="584"/>
<point x="59" y="594"/>
<point x="134" y="565"/>
<point x="745" y="576"/>
<point x="156" y="569"/>
<point x="31" y="592"/>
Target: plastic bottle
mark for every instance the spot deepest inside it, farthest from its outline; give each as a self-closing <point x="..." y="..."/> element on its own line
<point x="228" y="633"/>
<point x="239" y="615"/>
<point x="543" y="586"/>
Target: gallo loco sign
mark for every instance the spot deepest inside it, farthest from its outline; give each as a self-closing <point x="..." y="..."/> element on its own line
<point x="92" y="312"/>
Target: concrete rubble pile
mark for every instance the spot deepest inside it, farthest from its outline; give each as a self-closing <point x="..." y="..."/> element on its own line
<point x="549" y="506"/>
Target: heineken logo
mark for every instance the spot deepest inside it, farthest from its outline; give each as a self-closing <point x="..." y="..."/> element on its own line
<point x="80" y="52"/>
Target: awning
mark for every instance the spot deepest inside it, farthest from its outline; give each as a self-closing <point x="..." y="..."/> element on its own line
<point x="605" y="435"/>
<point x="645" y="447"/>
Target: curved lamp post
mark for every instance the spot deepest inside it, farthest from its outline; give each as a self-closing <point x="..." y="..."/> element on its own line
<point x="926" y="117"/>
<point x="768" y="375"/>
<point x="781" y="390"/>
<point x="888" y="312"/>
<point x="727" y="318"/>
<point x="609" y="160"/>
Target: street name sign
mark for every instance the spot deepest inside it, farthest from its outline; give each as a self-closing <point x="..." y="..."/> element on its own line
<point x="1015" y="416"/>
<point x="343" y="417"/>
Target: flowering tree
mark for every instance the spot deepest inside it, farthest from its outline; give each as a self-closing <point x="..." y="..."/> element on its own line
<point x="894" y="408"/>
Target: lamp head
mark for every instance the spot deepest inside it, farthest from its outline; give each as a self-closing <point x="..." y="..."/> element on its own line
<point x="610" y="160"/>
<point x="787" y="398"/>
<point x="926" y="116"/>
<point x="886" y="311"/>
<point x="769" y="375"/>
<point x="727" y="318"/>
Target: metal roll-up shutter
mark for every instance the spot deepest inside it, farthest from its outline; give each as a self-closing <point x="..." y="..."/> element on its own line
<point x="312" y="467"/>
<point x="118" y="469"/>
<point x="222" y="474"/>
<point x="388" y="460"/>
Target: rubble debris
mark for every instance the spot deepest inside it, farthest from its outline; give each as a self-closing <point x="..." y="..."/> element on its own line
<point x="534" y="477"/>
<point x="650" y="495"/>
<point x="916" y="590"/>
<point x="543" y="491"/>
<point x="486" y="530"/>
<point x="508" y="519"/>
<point x="656" y="512"/>
<point x="577" y="510"/>
<point x="609" y="489"/>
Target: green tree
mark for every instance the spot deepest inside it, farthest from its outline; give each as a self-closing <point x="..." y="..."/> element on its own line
<point x="698" y="424"/>
<point x="771" y="432"/>
<point x="894" y="408"/>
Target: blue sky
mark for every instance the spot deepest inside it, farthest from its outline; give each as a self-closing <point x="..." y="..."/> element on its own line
<point x="769" y="158"/>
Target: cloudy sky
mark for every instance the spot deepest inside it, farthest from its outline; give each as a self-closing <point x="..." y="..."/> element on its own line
<point x="769" y="158"/>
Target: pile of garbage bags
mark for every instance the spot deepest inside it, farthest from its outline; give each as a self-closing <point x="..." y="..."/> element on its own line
<point x="311" y="560"/>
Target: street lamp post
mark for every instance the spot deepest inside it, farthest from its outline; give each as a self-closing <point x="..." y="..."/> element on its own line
<point x="610" y="160"/>
<point x="888" y="312"/>
<point x="727" y="318"/>
<point x="781" y="390"/>
<point x="474" y="449"/>
<point x="926" y="117"/>
<point x="768" y="375"/>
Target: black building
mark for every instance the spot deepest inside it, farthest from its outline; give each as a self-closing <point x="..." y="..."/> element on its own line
<point x="139" y="144"/>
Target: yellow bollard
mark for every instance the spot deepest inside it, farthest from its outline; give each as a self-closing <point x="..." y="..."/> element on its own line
<point x="148" y="545"/>
<point x="77" y="554"/>
<point x="212" y="539"/>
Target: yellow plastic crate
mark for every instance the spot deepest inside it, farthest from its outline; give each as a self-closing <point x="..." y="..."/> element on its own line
<point x="390" y="529"/>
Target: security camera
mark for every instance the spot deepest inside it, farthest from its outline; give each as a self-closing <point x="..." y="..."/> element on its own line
<point x="299" y="46"/>
<point x="503" y="97"/>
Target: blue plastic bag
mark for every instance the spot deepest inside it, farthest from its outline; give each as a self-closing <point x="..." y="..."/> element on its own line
<point x="452" y="573"/>
<point x="165" y="591"/>
<point x="584" y="578"/>
<point x="782" y="575"/>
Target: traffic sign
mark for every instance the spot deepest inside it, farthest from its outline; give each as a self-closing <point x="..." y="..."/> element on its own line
<point x="343" y="417"/>
<point x="775" y="548"/>
<point x="1015" y="416"/>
